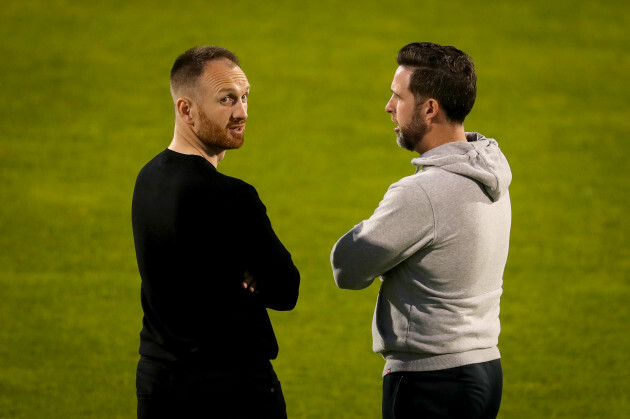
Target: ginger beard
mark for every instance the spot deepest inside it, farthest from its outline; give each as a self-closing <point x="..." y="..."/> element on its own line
<point x="410" y="135"/>
<point x="228" y="138"/>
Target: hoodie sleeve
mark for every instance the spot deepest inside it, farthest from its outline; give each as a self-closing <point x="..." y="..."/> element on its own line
<point x="401" y="225"/>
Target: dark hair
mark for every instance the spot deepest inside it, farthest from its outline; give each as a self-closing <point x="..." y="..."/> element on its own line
<point x="443" y="73"/>
<point x="190" y="65"/>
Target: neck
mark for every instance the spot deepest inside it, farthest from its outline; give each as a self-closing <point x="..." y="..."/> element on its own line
<point x="185" y="141"/>
<point x="440" y="134"/>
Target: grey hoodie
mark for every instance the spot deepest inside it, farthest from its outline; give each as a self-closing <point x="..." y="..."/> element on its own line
<point x="439" y="241"/>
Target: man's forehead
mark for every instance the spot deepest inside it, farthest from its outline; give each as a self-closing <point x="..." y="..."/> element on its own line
<point x="224" y="75"/>
<point x="401" y="78"/>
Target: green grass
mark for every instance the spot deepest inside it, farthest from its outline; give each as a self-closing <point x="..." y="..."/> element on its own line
<point x="85" y="103"/>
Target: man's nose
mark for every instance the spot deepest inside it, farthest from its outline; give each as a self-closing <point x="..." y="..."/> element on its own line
<point x="389" y="108"/>
<point x="240" y="110"/>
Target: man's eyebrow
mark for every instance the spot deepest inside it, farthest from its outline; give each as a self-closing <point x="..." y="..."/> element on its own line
<point x="232" y="89"/>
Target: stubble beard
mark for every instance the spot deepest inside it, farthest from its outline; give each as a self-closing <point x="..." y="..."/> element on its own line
<point x="410" y="135"/>
<point x="212" y="134"/>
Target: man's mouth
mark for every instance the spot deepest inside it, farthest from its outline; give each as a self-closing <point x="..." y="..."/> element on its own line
<point x="237" y="129"/>
<point x="397" y="128"/>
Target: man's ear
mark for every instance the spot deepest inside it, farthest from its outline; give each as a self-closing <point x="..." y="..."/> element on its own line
<point x="184" y="109"/>
<point x="431" y="109"/>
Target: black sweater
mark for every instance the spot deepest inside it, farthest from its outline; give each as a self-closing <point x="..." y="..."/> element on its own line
<point x="196" y="231"/>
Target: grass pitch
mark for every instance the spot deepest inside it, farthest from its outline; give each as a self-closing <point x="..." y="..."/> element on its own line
<point x="85" y="103"/>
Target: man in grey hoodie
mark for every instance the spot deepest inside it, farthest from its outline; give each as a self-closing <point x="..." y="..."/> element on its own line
<point x="439" y="242"/>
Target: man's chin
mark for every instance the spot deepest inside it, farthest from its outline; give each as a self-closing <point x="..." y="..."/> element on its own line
<point x="404" y="143"/>
<point x="236" y="142"/>
<point x="225" y="143"/>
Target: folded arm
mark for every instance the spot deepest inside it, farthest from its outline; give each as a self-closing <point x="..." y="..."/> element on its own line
<point x="401" y="225"/>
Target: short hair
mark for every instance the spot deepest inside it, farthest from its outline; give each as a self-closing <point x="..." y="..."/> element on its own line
<point x="443" y="73"/>
<point x="190" y="65"/>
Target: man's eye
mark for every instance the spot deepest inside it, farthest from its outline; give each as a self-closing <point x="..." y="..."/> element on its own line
<point x="244" y="98"/>
<point x="225" y="99"/>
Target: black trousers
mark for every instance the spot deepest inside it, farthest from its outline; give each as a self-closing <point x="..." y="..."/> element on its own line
<point x="470" y="391"/>
<point x="165" y="392"/>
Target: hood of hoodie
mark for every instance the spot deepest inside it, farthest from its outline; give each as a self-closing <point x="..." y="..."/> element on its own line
<point x="479" y="159"/>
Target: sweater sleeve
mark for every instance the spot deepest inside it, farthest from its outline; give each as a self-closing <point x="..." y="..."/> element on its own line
<point x="269" y="262"/>
<point x="402" y="224"/>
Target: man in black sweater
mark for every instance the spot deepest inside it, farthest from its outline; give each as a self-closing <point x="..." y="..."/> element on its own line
<point x="209" y="260"/>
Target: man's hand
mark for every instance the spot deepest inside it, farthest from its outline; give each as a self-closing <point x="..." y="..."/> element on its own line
<point x="249" y="283"/>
